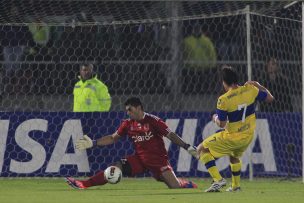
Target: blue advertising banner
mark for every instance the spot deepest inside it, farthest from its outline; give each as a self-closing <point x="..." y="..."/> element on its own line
<point x="42" y="144"/>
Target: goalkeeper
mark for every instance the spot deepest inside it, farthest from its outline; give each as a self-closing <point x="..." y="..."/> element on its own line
<point x="236" y="113"/>
<point x="147" y="132"/>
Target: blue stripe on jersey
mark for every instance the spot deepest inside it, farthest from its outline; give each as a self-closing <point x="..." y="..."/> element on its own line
<point x="236" y="116"/>
<point x="261" y="95"/>
<point x="222" y="115"/>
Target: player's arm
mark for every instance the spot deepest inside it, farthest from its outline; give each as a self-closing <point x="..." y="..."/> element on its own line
<point x="220" y="118"/>
<point x="86" y="142"/>
<point x="107" y="140"/>
<point x="269" y="98"/>
<point x="164" y="130"/>
<point x="180" y="142"/>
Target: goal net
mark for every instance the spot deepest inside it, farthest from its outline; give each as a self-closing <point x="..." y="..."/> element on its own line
<point x="166" y="53"/>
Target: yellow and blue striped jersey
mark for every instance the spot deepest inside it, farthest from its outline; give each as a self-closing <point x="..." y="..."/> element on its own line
<point x="238" y="107"/>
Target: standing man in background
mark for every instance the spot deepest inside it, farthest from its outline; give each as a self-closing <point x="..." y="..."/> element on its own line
<point x="90" y="94"/>
<point x="280" y="85"/>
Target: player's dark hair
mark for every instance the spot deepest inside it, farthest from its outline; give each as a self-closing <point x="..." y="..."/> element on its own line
<point x="134" y="101"/>
<point x="272" y="59"/>
<point x="87" y="65"/>
<point x="229" y="75"/>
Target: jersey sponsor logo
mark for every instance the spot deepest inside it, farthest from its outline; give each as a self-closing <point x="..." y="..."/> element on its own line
<point x="141" y="138"/>
<point x="244" y="127"/>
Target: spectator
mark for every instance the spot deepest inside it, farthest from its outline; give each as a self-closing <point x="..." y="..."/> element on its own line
<point x="90" y="94"/>
<point x="41" y="35"/>
<point x="200" y="53"/>
<point x="15" y="40"/>
<point x="200" y="50"/>
<point x="278" y="84"/>
<point x="14" y="45"/>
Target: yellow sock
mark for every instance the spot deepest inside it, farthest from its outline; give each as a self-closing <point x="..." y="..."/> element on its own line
<point x="209" y="162"/>
<point x="236" y="174"/>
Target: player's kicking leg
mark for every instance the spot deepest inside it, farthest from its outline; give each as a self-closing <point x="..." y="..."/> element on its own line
<point x="207" y="158"/>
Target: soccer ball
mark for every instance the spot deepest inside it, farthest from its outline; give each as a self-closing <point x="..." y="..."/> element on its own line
<point x="113" y="174"/>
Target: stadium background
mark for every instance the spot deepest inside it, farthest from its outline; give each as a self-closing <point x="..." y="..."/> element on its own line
<point x="137" y="48"/>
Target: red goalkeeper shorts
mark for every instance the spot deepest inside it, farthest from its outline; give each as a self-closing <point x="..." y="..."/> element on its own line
<point x="156" y="167"/>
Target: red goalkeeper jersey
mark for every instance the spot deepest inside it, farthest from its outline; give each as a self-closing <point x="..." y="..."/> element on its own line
<point x="147" y="136"/>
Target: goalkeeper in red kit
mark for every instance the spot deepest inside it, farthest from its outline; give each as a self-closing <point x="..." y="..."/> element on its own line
<point x="147" y="132"/>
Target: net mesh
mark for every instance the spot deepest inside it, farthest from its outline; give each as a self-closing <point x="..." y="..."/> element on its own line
<point x="167" y="53"/>
<point x="120" y="12"/>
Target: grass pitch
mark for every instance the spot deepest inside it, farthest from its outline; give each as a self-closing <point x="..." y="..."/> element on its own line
<point x="142" y="190"/>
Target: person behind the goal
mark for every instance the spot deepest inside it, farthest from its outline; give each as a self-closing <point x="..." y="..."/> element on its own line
<point x="147" y="132"/>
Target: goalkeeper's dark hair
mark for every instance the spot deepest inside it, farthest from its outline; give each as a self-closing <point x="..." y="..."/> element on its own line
<point x="134" y="101"/>
<point x="229" y="75"/>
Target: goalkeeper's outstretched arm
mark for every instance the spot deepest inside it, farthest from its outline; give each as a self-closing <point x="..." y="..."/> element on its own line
<point x="180" y="142"/>
<point x="86" y="142"/>
<point x="107" y="140"/>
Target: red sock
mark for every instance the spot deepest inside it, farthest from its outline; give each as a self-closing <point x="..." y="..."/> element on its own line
<point x="97" y="179"/>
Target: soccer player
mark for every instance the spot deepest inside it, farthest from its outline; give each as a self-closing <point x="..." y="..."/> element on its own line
<point x="236" y="113"/>
<point x="147" y="132"/>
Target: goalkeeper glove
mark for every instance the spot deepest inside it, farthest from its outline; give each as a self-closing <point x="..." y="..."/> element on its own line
<point x="192" y="150"/>
<point x="85" y="143"/>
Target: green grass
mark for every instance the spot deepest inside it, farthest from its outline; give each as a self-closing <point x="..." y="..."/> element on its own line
<point x="147" y="190"/>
